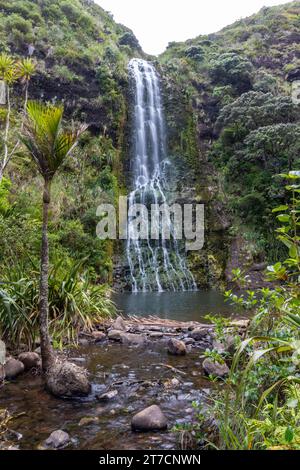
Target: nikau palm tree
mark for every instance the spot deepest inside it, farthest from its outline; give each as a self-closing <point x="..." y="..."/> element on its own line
<point x="49" y="146"/>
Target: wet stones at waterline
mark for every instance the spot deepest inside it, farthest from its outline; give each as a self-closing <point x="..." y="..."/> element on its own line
<point x="57" y="440"/>
<point x="176" y="347"/>
<point x="215" y="369"/>
<point x="13" y="368"/>
<point x="149" y="419"/>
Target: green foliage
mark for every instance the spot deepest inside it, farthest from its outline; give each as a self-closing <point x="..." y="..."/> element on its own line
<point x="75" y="303"/>
<point x="232" y="69"/>
<point x="129" y="39"/>
<point x="44" y="138"/>
<point x="195" y="53"/>
<point x="5" y="185"/>
<point x="259" y="408"/>
<point x="259" y="137"/>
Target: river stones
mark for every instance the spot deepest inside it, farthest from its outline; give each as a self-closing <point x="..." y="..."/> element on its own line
<point x="115" y="335"/>
<point x="13" y="368"/>
<point x="129" y="339"/>
<point x="119" y="324"/>
<point x="88" y="420"/>
<point x="108" y="396"/>
<point x="29" y="359"/>
<point x="171" y="383"/>
<point x="98" y="336"/>
<point x="156" y="335"/>
<point x="176" y="347"/>
<point x="57" y="439"/>
<point x="189" y="341"/>
<point x="149" y="419"/>
<point x="133" y="340"/>
<point x="66" y="379"/>
<point x="228" y="345"/>
<point x="215" y="369"/>
<point x="199" y="334"/>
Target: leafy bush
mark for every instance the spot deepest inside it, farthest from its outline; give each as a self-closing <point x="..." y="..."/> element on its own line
<point x="5" y="185"/>
<point x="129" y="39"/>
<point x="75" y="303"/>
<point x="16" y="22"/>
<point x="259" y="407"/>
<point x="195" y="53"/>
<point x="232" y="69"/>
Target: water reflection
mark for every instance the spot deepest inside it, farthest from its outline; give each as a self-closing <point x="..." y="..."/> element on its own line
<point x="183" y="306"/>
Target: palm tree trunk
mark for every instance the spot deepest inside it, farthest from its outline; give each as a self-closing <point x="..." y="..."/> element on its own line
<point x="46" y="348"/>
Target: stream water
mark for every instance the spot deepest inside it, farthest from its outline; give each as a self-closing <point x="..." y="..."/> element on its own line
<point x="114" y="366"/>
<point x="182" y="306"/>
<point x="40" y="413"/>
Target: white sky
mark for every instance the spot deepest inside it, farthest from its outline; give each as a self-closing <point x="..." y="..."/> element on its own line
<point x="157" y="22"/>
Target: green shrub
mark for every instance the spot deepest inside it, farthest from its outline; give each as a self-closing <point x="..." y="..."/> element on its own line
<point x="75" y="303"/>
<point x="16" y="22"/>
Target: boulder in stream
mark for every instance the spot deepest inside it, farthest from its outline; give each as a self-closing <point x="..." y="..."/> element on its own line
<point x="215" y="369"/>
<point x="57" y="439"/>
<point x="29" y="359"/>
<point x="150" y="419"/>
<point x="176" y="347"/>
<point x="13" y="368"/>
<point x="66" y="379"/>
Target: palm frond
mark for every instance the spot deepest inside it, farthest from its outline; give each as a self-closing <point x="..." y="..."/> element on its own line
<point x="7" y="68"/>
<point x="25" y="69"/>
<point x="44" y="138"/>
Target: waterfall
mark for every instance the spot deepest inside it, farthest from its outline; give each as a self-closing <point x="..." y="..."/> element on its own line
<point x="155" y="265"/>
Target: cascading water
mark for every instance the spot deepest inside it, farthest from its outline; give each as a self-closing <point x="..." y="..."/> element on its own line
<point x="155" y="265"/>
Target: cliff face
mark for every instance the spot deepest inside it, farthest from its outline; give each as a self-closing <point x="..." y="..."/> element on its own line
<point x="227" y="96"/>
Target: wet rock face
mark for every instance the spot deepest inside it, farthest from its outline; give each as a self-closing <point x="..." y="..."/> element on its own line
<point x="176" y="347"/>
<point x="57" y="439"/>
<point x="150" y="419"/>
<point x="65" y="379"/>
<point x="215" y="369"/>
<point x="13" y="368"/>
<point x="30" y="360"/>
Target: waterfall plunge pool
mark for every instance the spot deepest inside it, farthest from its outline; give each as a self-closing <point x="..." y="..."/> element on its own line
<point x="181" y="306"/>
